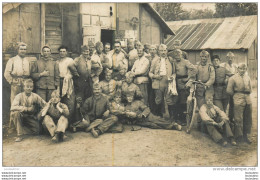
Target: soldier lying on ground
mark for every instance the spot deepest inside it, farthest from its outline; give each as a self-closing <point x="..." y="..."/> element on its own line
<point x="138" y="113"/>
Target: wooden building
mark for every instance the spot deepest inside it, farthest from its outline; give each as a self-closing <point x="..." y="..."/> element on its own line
<point x="75" y="24"/>
<point x="218" y="36"/>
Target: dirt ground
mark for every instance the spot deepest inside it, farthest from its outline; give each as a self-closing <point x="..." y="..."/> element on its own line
<point x="146" y="147"/>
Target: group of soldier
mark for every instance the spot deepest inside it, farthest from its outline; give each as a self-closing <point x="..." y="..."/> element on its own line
<point x="103" y="89"/>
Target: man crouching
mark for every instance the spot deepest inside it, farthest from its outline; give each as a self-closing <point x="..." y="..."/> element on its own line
<point x="24" y="110"/>
<point x="55" y="118"/>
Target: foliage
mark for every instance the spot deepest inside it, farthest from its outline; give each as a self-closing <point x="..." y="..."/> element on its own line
<point x="174" y="11"/>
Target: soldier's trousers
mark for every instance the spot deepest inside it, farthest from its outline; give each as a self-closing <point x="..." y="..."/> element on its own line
<point x="222" y="103"/>
<point x="144" y="90"/>
<point x="107" y="123"/>
<point x="25" y="123"/>
<point x="45" y="94"/>
<point x="50" y="125"/>
<point x="217" y="135"/>
<point x="154" y="122"/>
<point x="242" y="119"/>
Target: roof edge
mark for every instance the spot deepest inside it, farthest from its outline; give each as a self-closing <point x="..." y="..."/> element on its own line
<point x="158" y="18"/>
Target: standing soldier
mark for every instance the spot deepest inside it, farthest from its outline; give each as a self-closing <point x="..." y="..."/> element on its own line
<point x="185" y="74"/>
<point x="46" y="74"/>
<point x="67" y="71"/>
<point x="83" y="83"/>
<point x="239" y="86"/>
<point x="221" y="98"/>
<point x="18" y="69"/>
<point x="141" y="70"/>
<point x="132" y="53"/>
<point x="118" y="58"/>
<point x="161" y="72"/>
<point x="206" y="75"/>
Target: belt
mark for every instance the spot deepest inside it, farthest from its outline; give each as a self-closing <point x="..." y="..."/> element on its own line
<point x="24" y="77"/>
<point x="219" y="84"/>
<point x="242" y="92"/>
<point x="181" y="77"/>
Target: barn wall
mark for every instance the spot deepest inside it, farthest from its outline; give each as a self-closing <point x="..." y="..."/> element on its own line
<point x="126" y="12"/>
<point x="22" y="24"/>
<point x="71" y="27"/>
<point x="150" y="29"/>
<point x="252" y="62"/>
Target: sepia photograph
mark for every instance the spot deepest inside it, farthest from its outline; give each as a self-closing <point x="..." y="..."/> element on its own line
<point x="129" y="84"/>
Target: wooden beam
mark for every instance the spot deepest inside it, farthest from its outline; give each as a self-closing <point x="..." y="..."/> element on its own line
<point x="42" y="24"/>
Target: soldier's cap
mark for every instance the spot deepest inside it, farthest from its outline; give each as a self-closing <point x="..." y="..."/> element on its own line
<point x="84" y="47"/>
<point x="91" y="44"/>
<point x="96" y="86"/>
<point x="204" y="53"/>
<point x="118" y="93"/>
<point x="230" y="54"/>
<point x="46" y="46"/>
<point x="147" y="46"/>
<point x="20" y="44"/>
<point x="130" y="93"/>
<point x="55" y="93"/>
<point x="153" y="46"/>
<point x="177" y="43"/>
<point x="108" y="71"/>
<point x="242" y="65"/>
<point x="162" y="46"/>
<point x="215" y="57"/>
<point x="208" y="96"/>
<point x="99" y="44"/>
<point x="130" y="41"/>
<point x="140" y="46"/>
<point x="28" y="81"/>
<point x="129" y="74"/>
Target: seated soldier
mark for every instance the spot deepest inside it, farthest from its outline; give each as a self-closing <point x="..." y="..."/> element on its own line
<point x="214" y="119"/>
<point x="109" y="85"/>
<point x="96" y="111"/>
<point x="128" y="85"/>
<point x="24" y="110"/>
<point x="139" y="114"/>
<point x="55" y="118"/>
<point x="121" y="75"/>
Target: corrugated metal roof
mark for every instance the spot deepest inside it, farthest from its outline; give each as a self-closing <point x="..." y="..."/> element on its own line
<point x="217" y="33"/>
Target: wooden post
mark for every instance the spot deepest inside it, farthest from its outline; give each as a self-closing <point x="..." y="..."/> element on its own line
<point x="42" y="24"/>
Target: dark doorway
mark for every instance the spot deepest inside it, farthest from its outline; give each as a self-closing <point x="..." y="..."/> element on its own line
<point x="107" y="36"/>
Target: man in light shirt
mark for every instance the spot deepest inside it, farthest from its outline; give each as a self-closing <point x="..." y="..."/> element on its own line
<point x="161" y="72"/>
<point x="141" y="70"/>
<point x="17" y="69"/>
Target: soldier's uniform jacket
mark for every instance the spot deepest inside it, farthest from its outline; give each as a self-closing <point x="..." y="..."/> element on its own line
<point x="139" y="108"/>
<point x="119" y="61"/>
<point x="55" y="114"/>
<point x="185" y="71"/>
<point x="132" y="87"/>
<point x="21" y="100"/>
<point x="155" y="70"/>
<point x="240" y="88"/>
<point x="94" y="108"/>
<point x="206" y="74"/>
<point x="232" y="69"/>
<point x="83" y="68"/>
<point x="133" y="55"/>
<point x="208" y="114"/>
<point x="46" y="82"/>
<point x="97" y="60"/>
<point x="109" y="88"/>
<point x="220" y="84"/>
<point x="17" y="68"/>
<point x="141" y="69"/>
